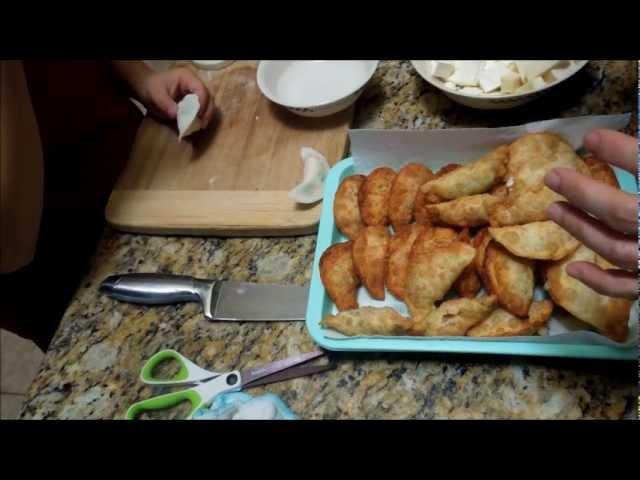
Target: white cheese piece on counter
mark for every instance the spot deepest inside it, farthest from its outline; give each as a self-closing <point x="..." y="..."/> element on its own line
<point x="466" y="73"/>
<point x="441" y="69"/>
<point x="510" y="82"/>
<point x="530" y="69"/>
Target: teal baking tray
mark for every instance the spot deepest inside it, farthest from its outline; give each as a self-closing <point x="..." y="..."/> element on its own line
<point x="320" y="305"/>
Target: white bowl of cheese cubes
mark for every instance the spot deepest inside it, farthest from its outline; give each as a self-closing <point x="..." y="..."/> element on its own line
<point x="496" y="84"/>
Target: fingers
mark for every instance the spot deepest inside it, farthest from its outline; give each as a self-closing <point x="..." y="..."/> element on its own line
<point x="614" y="147"/>
<point x="618" y="249"/>
<point x="613" y="207"/>
<point x="164" y="105"/>
<point x="613" y="283"/>
<point x="190" y="83"/>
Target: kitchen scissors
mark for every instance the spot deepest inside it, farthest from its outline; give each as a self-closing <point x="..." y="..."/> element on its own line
<point x="208" y="384"/>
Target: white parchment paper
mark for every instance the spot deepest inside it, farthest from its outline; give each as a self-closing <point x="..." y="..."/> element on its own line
<point x="435" y="148"/>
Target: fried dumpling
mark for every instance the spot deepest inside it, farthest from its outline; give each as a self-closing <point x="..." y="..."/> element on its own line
<point x="419" y="212"/>
<point x="606" y="314"/>
<point x="471" y="211"/>
<point x="537" y="240"/>
<point x="510" y="278"/>
<point x="454" y="317"/>
<point x="368" y="321"/>
<point x="528" y="206"/>
<point x="374" y="194"/>
<point x="399" y="249"/>
<point x="471" y="179"/>
<point x="432" y="272"/>
<point x="601" y="171"/>
<point x="338" y="275"/>
<point x="404" y="191"/>
<point x="468" y="283"/>
<point x="533" y="155"/>
<point x="370" y="255"/>
<point x="346" y="210"/>
<point x="501" y="323"/>
<point x="480" y="243"/>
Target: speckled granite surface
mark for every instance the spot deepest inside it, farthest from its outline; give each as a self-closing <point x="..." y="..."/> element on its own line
<point x="91" y="369"/>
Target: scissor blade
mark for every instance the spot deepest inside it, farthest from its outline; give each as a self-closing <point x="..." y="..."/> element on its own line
<point x="295" y="372"/>
<point x="253" y="374"/>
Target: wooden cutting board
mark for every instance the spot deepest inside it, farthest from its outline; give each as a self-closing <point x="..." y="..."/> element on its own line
<point x="231" y="179"/>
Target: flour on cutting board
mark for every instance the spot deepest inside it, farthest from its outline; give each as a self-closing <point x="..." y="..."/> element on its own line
<point x="435" y="148"/>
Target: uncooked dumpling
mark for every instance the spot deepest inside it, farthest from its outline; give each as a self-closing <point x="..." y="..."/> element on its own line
<point x="316" y="168"/>
<point x="188" y="121"/>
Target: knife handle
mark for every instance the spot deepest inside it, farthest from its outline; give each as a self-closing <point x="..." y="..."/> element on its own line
<point x="155" y="288"/>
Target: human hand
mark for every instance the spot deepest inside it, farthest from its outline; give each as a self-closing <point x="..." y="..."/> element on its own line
<point x="603" y="218"/>
<point x="160" y="92"/>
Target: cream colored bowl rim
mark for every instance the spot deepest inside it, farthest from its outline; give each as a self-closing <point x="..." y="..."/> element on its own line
<point x="417" y="65"/>
<point x="266" y="91"/>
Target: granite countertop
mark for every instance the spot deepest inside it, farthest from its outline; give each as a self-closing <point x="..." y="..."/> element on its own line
<point x="91" y="369"/>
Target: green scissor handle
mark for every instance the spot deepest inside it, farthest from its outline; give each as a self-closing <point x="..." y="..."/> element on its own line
<point x="188" y="372"/>
<point x="197" y="396"/>
<point x="163" y="402"/>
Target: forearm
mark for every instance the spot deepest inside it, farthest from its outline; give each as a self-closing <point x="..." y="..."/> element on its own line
<point x="134" y="73"/>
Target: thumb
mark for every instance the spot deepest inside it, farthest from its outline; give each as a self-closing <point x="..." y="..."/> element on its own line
<point x="165" y="105"/>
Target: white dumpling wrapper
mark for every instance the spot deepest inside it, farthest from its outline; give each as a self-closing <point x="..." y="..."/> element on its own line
<point x="188" y="121"/>
<point x="316" y="168"/>
<point x="256" y="409"/>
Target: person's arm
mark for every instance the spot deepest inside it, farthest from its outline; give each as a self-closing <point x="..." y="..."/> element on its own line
<point x="603" y="218"/>
<point x="21" y="170"/>
<point x="160" y="92"/>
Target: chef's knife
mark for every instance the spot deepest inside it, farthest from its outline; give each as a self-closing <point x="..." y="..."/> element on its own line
<point x="228" y="301"/>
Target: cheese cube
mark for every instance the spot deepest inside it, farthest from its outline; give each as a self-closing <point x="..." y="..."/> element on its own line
<point x="510" y="82"/>
<point x="538" y="82"/>
<point x="530" y="69"/>
<point x="490" y="77"/>
<point x="466" y="73"/>
<point x="442" y="70"/>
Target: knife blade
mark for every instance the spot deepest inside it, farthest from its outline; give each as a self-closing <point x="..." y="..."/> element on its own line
<point x="220" y="300"/>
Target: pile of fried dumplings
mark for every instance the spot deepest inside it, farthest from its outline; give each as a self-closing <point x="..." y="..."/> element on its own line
<point x="467" y="246"/>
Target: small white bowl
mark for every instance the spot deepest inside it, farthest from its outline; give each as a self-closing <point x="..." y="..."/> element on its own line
<point x="314" y="88"/>
<point x="485" y="101"/>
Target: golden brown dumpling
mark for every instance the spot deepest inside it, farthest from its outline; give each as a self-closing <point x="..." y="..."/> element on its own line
<point x="454" y="317"/>
<point x="501" y="323"/>
<point x="432" y="272"/>
<point x="399" y="249"/>
<point x="468" y="283"/>
<point x="601" y="171"/>
<point x="338" y="275"/>
<point x="404" y="191"/>
<point x="537" y="240"/>
<point x="471" y="211"/>
<point x="370" y="256"/>
<point x="608" y="315"/>
<point x="510" y="278"/>
<point x="368" y="321"/>
<point x="346" y="210"/>
<point x="471" y="179"/>
<point x="374" y="195"/>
